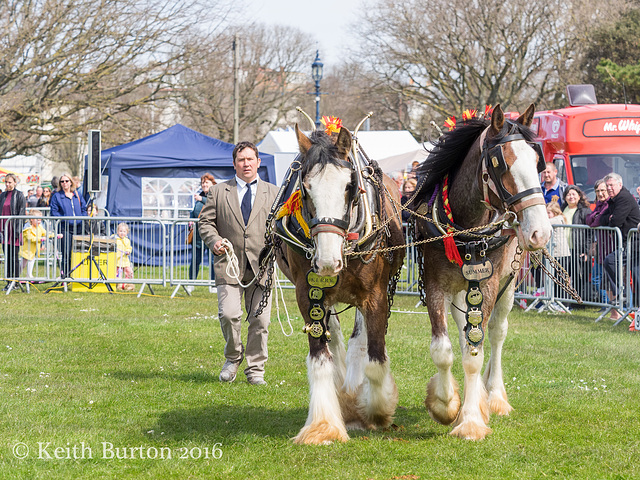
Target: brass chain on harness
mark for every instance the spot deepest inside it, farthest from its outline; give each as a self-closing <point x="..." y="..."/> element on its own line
<point x="564" y="281"/>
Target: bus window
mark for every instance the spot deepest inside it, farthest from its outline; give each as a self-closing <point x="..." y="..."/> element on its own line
<point x="562" y="171"/>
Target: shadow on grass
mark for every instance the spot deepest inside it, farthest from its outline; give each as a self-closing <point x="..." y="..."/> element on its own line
<point x="232" y="424"/>
<point x="229" y="423"/>
<point x="195" y="377"/>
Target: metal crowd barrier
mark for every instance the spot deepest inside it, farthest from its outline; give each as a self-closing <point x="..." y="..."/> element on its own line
<point x="581" y="251"/>
<point x="190" y="265"/>
<point x="85" y="253"/>
<point x="161" y="256"/>
<point x="631" y="278"/>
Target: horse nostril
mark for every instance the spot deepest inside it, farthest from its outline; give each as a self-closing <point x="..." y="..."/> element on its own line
<point x="338" y="265"/>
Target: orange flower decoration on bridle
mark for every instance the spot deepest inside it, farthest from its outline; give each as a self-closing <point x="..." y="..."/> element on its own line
<point x="331" y="124"/>
<point x="468" y="114"/>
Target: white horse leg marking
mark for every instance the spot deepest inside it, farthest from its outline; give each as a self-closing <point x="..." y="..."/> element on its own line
<point x="473" y="417"/>
<point x="356" y="355"/>
<point x="337" y="349"/>
<point x="443" y="399"/>
<point x="324" y="423"/>
<point x="378" y="397"/>
<point x="493" y="380"/>
<point x="354" y="377"/>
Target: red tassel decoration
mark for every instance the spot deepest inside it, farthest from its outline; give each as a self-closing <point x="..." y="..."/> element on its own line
<point x="450" y="248"/>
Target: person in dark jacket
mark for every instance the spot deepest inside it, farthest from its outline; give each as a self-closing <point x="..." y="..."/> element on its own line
<point x="575" y="210"/>
<point x="206" y="182"/>
<point x="66" y="202"/>
<point x="602" y="242"/>
<point x="623" y="212"/>
<point x="12" y="202"/>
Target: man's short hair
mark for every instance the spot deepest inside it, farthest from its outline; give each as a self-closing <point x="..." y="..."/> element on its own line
<point x="614" y="176"/>
<point x="551" y="164"/>
<point x="241" y="146"/>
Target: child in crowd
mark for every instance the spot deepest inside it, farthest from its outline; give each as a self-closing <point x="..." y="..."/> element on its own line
<point x="123" y="250"/>
<point x="33" y="235"/>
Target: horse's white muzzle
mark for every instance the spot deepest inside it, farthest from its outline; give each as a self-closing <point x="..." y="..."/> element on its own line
<point x="327" y="260"/>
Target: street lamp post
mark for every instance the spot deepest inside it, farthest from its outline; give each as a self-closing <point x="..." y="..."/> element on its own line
<point x="316" y="74"/>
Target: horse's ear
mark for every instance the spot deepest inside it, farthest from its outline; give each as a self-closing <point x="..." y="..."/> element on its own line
<point x="303" y="141"/>
<point x="344" y="142"/>
<point x="497" y="119"/>
<point x="527" y="117"/>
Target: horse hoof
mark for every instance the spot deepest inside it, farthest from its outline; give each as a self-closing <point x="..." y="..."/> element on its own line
<point x="442" y="410"/>
<point x="471" y="431"/>
<point x="322" y="433"/>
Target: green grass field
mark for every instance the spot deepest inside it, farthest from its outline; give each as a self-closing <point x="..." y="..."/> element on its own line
<point x="89" y="377"/>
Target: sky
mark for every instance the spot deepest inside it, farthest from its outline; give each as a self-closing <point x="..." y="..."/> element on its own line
<point x="326" y="20"/>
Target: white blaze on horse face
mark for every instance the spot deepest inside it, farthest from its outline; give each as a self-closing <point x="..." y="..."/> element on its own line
<point x="535" y="230"/>
<point x="327" y="190"/>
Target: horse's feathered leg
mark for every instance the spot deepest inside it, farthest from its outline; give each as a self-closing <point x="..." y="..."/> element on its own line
<point x="356" y="361"/>
<point x="378" y="395"/>
<point x="324" y="423"/>
<point x="472" y="420"/>
<point x="497" y="332"/>
<point x="340" y="359"/>
<point x="443" y="398"/>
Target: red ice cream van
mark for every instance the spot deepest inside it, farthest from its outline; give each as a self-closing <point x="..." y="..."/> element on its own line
<point x="586" y="140"/>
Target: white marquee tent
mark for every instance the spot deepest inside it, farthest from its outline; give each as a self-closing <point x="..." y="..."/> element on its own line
<point x="393" y="150"/>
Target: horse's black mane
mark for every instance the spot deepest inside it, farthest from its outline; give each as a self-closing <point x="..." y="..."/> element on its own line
<point x="452" y="148"/>
<point x="323" y="152"/>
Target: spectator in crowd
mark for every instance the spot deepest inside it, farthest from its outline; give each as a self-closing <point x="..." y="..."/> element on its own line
<point x="12" y="202"/>
<point x="408" y="189"/>
<point x="413" y="173"/>
<point x="123" y="252"/>
<point x="552" y="186"/>
<point x="576" y="209"/>
<point x="77" y="183"/>
<point x="67" y="203"/>
<point x="206" y="182"/>
<point x="55" y="184"/>
<point x="622" y="212"/>
<point x="602" y="243"/>
<point x="33" y="200"/>
<point x="31" y="197"/>
<point x="236" y="212"/>
<point x="399" y="179"/>
<point x="43" y="201"/>
<point x="559" y="241"/>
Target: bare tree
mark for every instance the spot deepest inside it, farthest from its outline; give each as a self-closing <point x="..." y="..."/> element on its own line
<point x="271" y="82"/>
<point x="70" y="65"/>
<point x="444" y="56"/>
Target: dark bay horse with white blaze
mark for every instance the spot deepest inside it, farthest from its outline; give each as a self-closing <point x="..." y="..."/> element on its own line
<point x="481" y="173"/>
<point x="328" y="196"/>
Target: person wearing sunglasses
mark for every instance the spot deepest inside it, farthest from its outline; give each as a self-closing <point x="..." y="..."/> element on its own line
<point x="67" y="203"/>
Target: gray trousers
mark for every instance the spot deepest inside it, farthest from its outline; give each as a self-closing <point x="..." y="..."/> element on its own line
<point x="231" y="315"/>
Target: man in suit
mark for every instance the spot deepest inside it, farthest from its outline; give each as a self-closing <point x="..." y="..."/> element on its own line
<point x="237" y="211"/>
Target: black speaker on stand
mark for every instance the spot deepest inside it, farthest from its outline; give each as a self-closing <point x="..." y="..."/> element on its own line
<point x="94" y="168"/>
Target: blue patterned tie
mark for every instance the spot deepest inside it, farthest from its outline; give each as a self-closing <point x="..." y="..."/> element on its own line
<point x="246" y="203"/>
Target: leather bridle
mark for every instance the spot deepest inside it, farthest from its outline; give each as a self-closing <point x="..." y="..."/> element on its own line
<point x="494" y="166"/>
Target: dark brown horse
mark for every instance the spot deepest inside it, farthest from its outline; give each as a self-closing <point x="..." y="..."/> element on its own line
<point x="354" y="388"/>
<point x="488" y="171"/>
